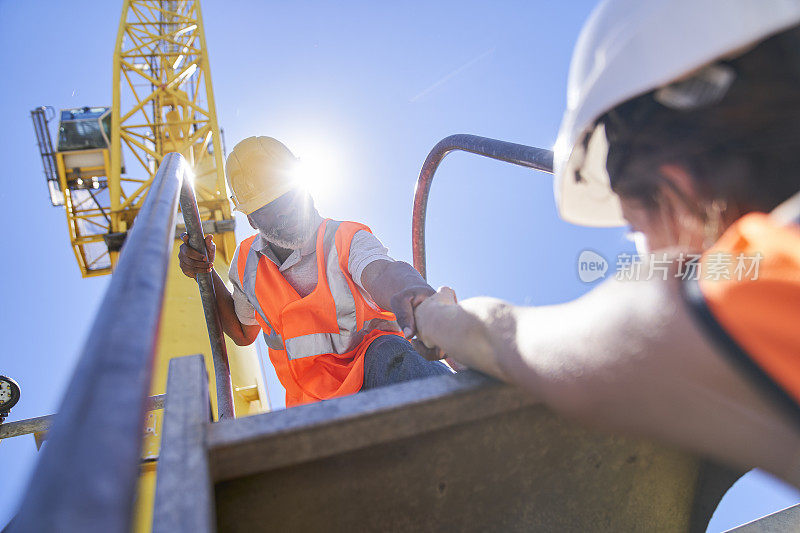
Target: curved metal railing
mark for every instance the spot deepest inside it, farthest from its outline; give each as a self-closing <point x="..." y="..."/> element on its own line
<point x="517" y="154"/>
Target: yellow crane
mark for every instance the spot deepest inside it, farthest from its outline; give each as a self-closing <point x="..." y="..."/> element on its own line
<point x="101" y="169"/>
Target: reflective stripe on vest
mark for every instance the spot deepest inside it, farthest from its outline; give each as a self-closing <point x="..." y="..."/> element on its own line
<point x="321" y="343"/>
<point x="246" y="267"/>
<point x="309" y="345"/>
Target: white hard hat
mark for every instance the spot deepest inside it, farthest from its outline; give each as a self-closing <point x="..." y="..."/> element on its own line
<point x="631" y="47"/>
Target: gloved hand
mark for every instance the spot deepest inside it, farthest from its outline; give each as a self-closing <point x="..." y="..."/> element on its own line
<point x="403" y="304"/>
<point x="191" y="261"/>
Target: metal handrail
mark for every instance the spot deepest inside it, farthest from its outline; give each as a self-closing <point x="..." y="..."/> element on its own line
<point x="205" y="280"/>
<point x="86" y="477"/>
<point x="517" y="154"/>
<point x="43" y="423"/>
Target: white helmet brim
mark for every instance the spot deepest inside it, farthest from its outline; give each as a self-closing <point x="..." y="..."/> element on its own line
<point x="628" y="48"/>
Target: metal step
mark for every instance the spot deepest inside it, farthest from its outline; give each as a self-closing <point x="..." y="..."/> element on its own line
<point x="461" y="452"/>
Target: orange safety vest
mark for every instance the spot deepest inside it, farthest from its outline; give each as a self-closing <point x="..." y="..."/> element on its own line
<point x="755" y="322"/>
<point x="317" y="342"/>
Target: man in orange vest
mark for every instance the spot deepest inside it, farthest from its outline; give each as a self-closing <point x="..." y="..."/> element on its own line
<point x="335" y="310"/>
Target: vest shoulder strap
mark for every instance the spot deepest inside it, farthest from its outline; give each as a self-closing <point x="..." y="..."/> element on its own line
<point x="242" y="251"/>
<point x="246" y="267"/>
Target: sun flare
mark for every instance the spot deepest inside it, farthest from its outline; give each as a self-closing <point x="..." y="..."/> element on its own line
<point x="318" y="169"/>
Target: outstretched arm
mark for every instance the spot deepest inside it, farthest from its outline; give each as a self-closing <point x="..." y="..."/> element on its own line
<point x="626" y="356"/>
<point x="397" y="286"/>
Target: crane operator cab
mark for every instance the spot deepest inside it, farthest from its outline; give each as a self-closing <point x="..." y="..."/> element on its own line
<point x="84" y="128"/>
<point x="83" y="143"/>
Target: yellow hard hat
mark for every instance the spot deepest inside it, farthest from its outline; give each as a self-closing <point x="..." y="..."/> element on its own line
<point x="258" y="170"/>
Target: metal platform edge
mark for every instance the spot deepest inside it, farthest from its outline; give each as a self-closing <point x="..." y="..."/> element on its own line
<point x="278" y="439"/>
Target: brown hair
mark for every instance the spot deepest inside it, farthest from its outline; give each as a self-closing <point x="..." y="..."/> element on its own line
<point x="742" y="149"/>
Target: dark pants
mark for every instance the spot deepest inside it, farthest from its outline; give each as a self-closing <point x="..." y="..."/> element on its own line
<point x="392" y="359"/>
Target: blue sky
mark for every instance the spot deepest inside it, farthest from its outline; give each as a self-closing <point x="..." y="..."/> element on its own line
<point x="362" y="90"/>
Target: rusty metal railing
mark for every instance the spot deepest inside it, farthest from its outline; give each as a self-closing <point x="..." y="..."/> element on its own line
<point x="517" y="154"/>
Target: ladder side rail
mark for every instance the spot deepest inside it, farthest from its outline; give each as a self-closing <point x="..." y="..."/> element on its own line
<point x="205" y="281"/>
<point x="184" y="501"/>
<point x="86" y="476"/>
